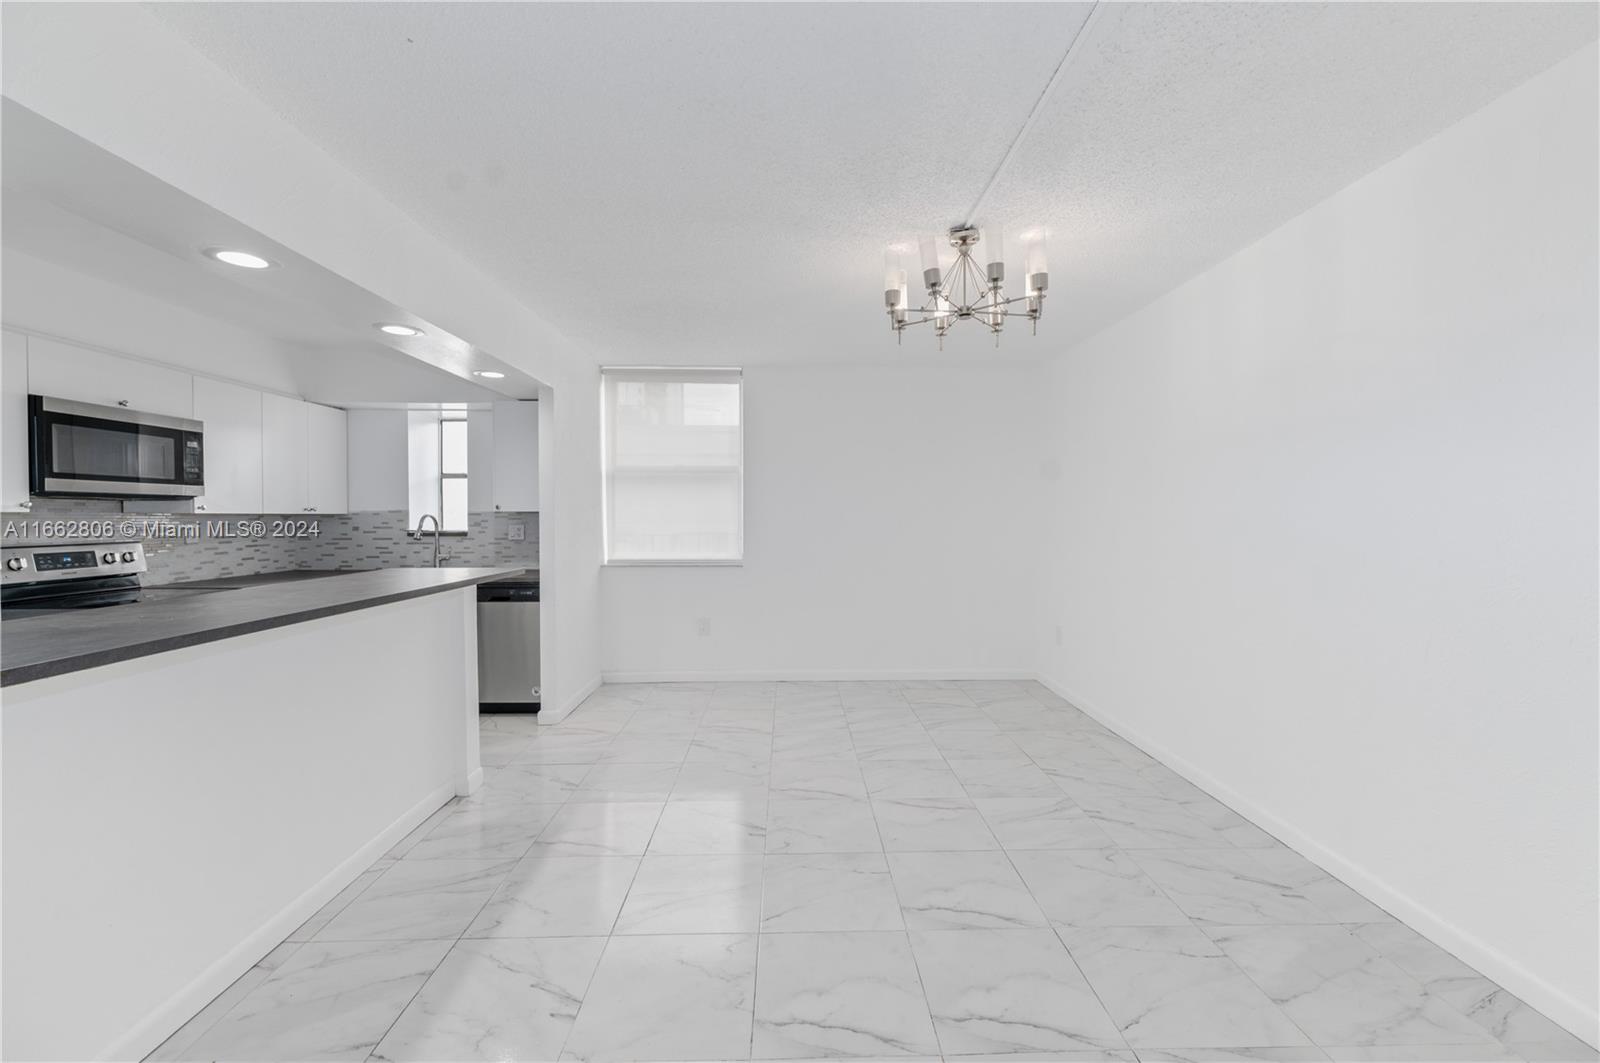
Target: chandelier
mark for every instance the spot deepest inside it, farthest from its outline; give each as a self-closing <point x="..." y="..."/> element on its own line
<point x="966" y="291"/>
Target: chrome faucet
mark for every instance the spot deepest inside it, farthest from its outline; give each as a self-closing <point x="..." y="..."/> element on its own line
<point x="417" y="535"/>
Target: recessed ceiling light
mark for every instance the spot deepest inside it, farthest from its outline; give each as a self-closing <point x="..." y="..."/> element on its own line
<point x="242" y="259"/>
<point x="488" y="374"/>
<point x="399" y="330"/>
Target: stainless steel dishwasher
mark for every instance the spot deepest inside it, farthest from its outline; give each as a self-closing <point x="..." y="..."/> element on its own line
<point x="508" y="645"/>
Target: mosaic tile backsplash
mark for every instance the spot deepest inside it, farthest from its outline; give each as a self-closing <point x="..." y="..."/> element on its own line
<point x="180" y="546"/>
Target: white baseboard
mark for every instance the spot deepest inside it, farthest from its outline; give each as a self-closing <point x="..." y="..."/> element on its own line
<point x="1580" y="1018"/>
<point x="187" y="1002"/>
<point x="823" y="675"/>
<point x="557" y="713"/>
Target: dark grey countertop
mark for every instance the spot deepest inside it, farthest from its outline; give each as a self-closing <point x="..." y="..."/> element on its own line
<point x="34" y="647"/>
<point x="263" y="579"/>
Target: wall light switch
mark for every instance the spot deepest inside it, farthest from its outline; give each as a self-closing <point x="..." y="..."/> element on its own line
<point x="517" y="531"/>
<point x="702" y="626"/>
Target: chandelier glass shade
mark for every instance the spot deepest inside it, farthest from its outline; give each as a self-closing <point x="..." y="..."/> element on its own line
<point x="966" y="291"/>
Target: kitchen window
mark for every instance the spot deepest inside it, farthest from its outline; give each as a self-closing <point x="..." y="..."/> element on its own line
<point x="673" y="465"/>
<point x="437" y="447"/>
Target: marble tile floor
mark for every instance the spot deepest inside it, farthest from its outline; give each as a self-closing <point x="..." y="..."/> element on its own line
<point x="918" y="870"/>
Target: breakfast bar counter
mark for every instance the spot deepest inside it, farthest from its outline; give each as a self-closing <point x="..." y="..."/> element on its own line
<point x="188" y="777"/>
<point x="34" y="647"/>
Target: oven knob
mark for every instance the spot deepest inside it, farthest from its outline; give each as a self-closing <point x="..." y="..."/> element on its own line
<point x="127" y="557"/>
<point x="16" y="564"/>
<point x="109" y="557"/>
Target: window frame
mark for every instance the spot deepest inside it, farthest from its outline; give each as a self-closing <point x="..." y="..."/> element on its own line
<point x="672" y="374"/>
<point x="440" y="531"/>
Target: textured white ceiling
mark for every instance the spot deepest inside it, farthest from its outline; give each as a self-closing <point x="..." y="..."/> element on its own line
<point x="716" y="183"/>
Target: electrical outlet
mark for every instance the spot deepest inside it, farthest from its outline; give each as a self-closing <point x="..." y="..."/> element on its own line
<point x="1059" y="639"/>
<point x="517" y="531"/>
<point x="702" y="626"/>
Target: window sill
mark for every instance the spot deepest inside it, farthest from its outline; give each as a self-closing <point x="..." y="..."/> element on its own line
<point x="623" y="563"/>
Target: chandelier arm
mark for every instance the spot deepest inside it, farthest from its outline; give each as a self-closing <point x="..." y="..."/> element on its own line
<point x="944" y="283"/>
<point x="969" y="270"/>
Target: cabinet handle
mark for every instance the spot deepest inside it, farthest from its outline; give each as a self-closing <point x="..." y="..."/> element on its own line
<point x="199" y="507"/>
<point x="123" y="403"/>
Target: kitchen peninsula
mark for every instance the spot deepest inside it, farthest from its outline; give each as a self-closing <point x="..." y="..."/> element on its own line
<point x="188" y="779"/>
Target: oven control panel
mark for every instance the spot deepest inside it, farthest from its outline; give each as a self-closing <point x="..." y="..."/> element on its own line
<point x="32" y="564"/>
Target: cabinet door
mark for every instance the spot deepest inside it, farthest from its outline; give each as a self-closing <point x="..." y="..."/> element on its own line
<point x="14" y="421"/>
<point x="232" y="417"/>
<point x="328" y="459"/>
<point x="64" y="371"/>
<point x="480" y="461"/>
<point x="516" y="456"/>
<point x="284" y="486"/>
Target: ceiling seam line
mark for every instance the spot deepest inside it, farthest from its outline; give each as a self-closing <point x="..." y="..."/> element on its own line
<point x="1033" y="114"/>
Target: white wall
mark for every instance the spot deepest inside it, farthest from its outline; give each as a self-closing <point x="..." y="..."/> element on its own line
<point x="1325" y="534"/>
<point x="889" y="530"/>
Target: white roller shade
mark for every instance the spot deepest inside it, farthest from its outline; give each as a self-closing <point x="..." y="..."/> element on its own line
<point x="673" y="453"/>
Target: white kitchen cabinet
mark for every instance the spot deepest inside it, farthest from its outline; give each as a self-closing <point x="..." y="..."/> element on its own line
<point x="379" y="473"/>
<point x="64" y="371"/>
<point x="304" y="457"/>
<point x="515" y="469"/>
<point x="328" y="451"/>
<point x="480" y="461"/>
<point x="14" y="421"/>
<point x="232" y="418"/>
<point x="285" y="454"/>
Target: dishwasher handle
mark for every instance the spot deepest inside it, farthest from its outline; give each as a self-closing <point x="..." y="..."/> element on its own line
<point x="508" y="592"/>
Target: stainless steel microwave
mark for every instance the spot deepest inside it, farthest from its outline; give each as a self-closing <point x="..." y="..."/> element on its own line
<point x="88" y="451"/>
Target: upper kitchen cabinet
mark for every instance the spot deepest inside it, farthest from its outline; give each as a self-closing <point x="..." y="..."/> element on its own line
<point x="328" y="451"/>
<point x="515" y="468"/>
<point x="304" y="449"/>
<point x="233" y="437"/>
<point x="14" y="421"/>
<point x="285" y="455"/>
<point x="64" y="371"/>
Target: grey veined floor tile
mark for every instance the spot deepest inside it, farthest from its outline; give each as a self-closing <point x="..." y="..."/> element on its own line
<point x="965" y="871"/>
<point x="668" y="997"/>
<point x="331" y="1000"/>
<point x="839" y="994"/>
<point x="948" y="891"/>
<point x="1173" y="987"/>
<point x="419" y="899"/>
<point x="558" y="896"/>
<point x="1340" y="991"/>
<point x="510" y="998"/>
<point x="996" y="991"/>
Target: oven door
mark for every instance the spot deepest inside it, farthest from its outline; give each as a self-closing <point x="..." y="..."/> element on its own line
<point x="77" y="448"/>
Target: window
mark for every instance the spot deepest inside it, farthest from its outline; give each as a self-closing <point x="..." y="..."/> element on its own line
<point x="673" y="461"/>
<point x="437" y="447"/>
